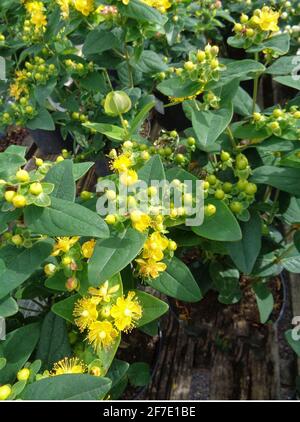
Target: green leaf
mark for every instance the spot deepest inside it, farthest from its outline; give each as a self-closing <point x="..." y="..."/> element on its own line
<point x="64" y="218"/>
<point x="140" y="117"/>
<point x="151" y="62"/>
<point x="2" y="363"/>
<point x="291" y="260"/>
<point x="242" y="103"/>
<point x="106" y="356"/>
<point x="21" y="264"/>
<point x="8" y="307"/>
<point x="245" y="252"/>
<point x="264" y="299"/>
<point x="178" y="282"/>
<point x="42" y="92"/>
<point x="292" y="214"/>
<point x="43" y="121"/>
<point x="17" y="149"/>
<point x="113" y="254"/>
<point x="53" y="343"/>
<point x="290" y="81"/>
<point x="153" y="308"/>
<point x="17" y="349"/>
<point x="222" y="226"/>
<point x="139" y="374"/>
<point x="227" y="282"/>
<point x="283" y="66"/>
<point x="175" y="88"/>
<point x="68" y="387"/>
<point x="10" y="164"/>
<point x="98" y="41"/>
<point x="295" y="344"/>
<point x="117" y="371"/>
<point x="238" y="69"/>
<point x="139" y="11"/>
<point x="279" y="44"/>
<point x="65" y="308"/>
<point x="152" y="170"/>
<point x="80" y="169"/>
<point x="61" y="175"/>
<point x="209" y="125"/>
<point x="283" y="178"/>
<point x="111" y="131"/>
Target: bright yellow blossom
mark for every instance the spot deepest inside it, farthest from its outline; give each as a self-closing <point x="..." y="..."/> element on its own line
<point x="36" y="10"/>
<point x="267" y="19"/>
<point x="104" y="292"/>
<point x="101" y="334"/>
<point x="140" y="221"/>
<point x="85" y="312"/>
<point x="84" y="6"/>
<point x="87" y="248"/>
<point x="154" y="246"/>
<point x="161" y="5"/>
<point x="64" y="7"/>
<point x="126" y="312"/>
<point x="68" y="366"/>
<point x="122" y="163"/>
<point x="64" y="244"/>
<point x="150" y="268"/>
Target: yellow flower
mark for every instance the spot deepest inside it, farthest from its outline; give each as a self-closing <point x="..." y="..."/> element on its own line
<point x="122" y="163"/>
<point x="84" y="6"/>
<point x="150" y="268"/>
<point x="126" y="312"/>
<point x="68" y="366"/>
<point x="64" y="7"/>
<point x="154" y="246"/>
<point x="104" y="293"/>
<point x="87" y="248"/>
<point x="16" y="90"/>
<point x="85" y="312"/>
<point x="36" y="10"/>
<point x="140" y="221"/>
<point x="101" y="334"/>
<point x="267" y="19"/>
<point x="129" y="178"/>
<point x="161" y="5"/>
<point x="64" y="244"/>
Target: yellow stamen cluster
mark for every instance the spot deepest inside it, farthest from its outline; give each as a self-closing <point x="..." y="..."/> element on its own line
<point x="104" y="314"/>
<point x="68" y="366"/>
<point x="161" y="5"/>
<point x="150" y="263"/>
<point x="64" y="244"/>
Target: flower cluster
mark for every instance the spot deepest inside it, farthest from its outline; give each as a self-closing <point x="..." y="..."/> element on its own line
<point x="150" y="263"/>
<point x="105" y="313"/>
<point x="202" y="67"/>
<point x="279" y="122"/>
<point x="259" y="27"/>
<point x="70" y="255"/>
<point x="24" y="189"/>
<point x="85" y="7"/>
<point x="237" y="193"/>
<point x="23" y="108"/>
<point x="36" y="20"/>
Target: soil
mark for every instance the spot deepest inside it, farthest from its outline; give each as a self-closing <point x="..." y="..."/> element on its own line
<point x="138" y="347"/>
<point x="14" y="136"/>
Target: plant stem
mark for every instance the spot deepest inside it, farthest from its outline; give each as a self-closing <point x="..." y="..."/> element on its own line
<point x="108" y="79"/>
<point x="255" y="88"/>
<point x="231" y="137"/>
<point x="130" y="77"/>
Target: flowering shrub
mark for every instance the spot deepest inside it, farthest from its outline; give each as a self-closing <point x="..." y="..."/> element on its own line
<point x="217" y="181"/>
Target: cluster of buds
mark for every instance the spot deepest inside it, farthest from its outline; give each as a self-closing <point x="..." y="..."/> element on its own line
<point x="255" y="29"/>
<point x="24" y="189"/>
<point x="78" y="68"/>
<point x="238" y="193"/>
<point x="69" y="256"/>
<point x="203" y="67"/>
<point x="279" y="121"/>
